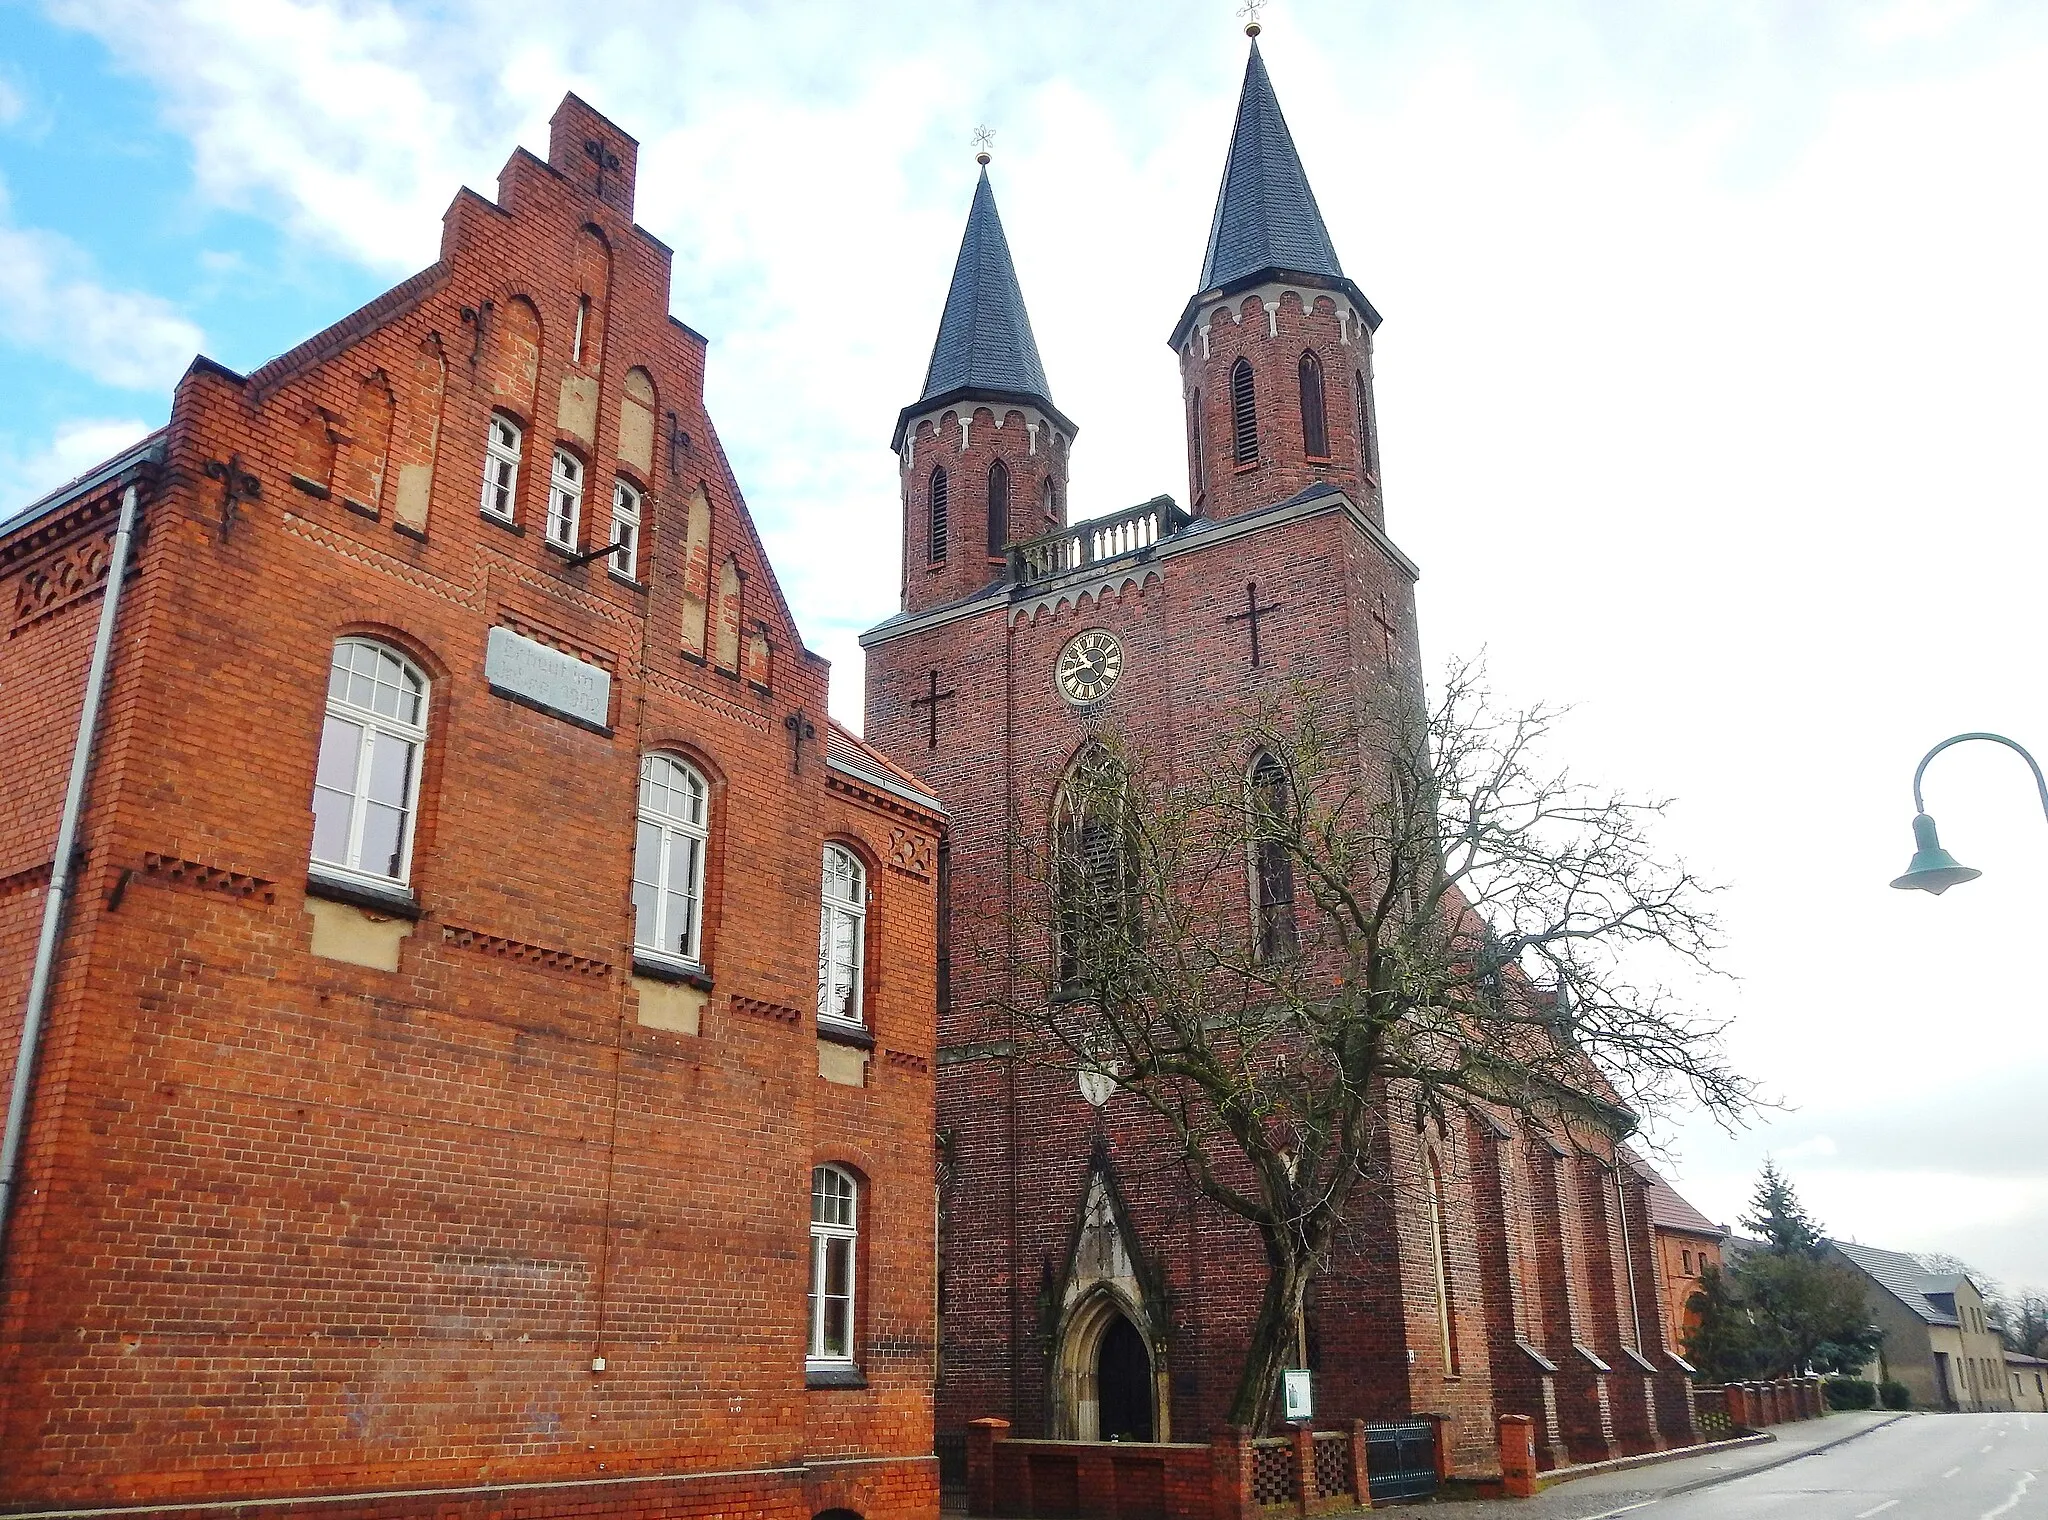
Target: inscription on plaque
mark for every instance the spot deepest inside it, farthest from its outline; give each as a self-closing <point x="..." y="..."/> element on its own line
<point x="545" y="678"/>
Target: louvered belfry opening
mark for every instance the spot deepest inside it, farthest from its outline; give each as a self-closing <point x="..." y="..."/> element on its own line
<point x="935" y="506"/>
<point x="1359" y="396"/>
<point x="1315" y="430"/>
<point x="998" y="509"/>
<point x="1244" y="414"/>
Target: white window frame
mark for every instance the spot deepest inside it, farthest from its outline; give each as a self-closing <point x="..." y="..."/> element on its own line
<point x="627" y="503"/>
<point x="565" y="499"/>
<point x="823" y="1233"/>
<point x="854" y="911"/>
<point x="376" y="726"/>
<point x="671" y="826"/>
<point x="503" y="458"/>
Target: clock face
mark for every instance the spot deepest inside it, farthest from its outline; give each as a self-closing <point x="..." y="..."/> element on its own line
<point x="1089" y="666"/>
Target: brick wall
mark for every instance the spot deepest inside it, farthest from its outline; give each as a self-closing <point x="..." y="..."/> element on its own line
<point x="295" y="1224"/>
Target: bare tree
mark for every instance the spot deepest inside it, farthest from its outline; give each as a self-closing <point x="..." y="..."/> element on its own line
<point x="1334" y="915"/>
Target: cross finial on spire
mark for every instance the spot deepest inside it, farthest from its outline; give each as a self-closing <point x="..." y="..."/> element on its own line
<point x="1250" y="11"/>
<point x="984" y="139"/>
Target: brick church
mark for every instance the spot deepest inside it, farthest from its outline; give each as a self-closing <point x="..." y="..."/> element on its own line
<point x="1088" y="1292"/>
<point x="431" y="1101"/>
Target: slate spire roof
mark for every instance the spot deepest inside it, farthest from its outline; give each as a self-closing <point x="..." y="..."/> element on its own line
<point x="1267" y="224"/>
<point x="985" y="347"/>
<point x="1266" y="214"/>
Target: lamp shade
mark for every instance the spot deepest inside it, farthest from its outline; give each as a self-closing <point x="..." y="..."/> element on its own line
<point x="1932" y="869"/>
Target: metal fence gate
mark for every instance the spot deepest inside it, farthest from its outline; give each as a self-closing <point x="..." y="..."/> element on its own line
<point x="1400" y="1459"/>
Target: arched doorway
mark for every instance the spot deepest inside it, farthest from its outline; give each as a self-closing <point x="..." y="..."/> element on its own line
<point x="1123" y="1384"/>
<point x="1106" y="1383"/>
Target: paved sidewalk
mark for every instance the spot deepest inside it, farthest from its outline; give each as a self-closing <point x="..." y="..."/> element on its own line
<point x="1605" y="1493"/>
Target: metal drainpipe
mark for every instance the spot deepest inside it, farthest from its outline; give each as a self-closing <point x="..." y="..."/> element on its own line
<point x="62" y="872"/>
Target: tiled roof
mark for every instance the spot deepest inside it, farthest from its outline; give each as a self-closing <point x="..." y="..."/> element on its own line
<point x="1904" y="1278"/>
<point x="985" y="340"/>
<point x="1669" y="1211"/>
<point x="845" y="752"/>
<point x="1266" y="215"/>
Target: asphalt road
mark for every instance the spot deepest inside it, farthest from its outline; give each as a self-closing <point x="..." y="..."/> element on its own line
<point x="1931" y="1467"/>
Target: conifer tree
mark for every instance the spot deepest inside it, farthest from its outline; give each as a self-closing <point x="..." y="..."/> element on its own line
<point x="1778" y="1216"/>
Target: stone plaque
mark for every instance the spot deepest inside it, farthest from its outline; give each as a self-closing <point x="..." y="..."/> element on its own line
<point x="547" y="679"/>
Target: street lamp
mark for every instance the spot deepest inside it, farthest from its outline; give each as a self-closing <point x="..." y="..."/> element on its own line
<point x="1933" y="869"/>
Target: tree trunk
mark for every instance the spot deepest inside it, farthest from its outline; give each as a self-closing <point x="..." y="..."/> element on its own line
<point x="1272" y="1344"/>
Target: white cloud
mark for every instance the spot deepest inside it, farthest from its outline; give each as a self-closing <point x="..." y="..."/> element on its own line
<point x="13" y="105"/>
<point x="49" y="303"/>
<point x="76" y="447"/>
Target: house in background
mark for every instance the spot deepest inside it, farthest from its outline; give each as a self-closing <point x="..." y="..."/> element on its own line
<point x="2026" y="1380"/>
<point x="1686" y="1242"/>
<point x="1938" y="1340"/>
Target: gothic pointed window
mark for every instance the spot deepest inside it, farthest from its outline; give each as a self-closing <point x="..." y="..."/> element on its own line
<point x="1095" y="906"/>
<point x="1195" y="446"/>
<point x="935" y="514"/>
<point x="1269" y="806"/>
<point x="1244" y="414"/>
<point x="1440" y="1249"/>
<point x="998" y="508"/>
<point x="1366" y="462"/>
<point x="1315" y="430"/>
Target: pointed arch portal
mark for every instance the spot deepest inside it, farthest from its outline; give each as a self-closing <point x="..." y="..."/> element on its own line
<point x="1109" y="1376"/>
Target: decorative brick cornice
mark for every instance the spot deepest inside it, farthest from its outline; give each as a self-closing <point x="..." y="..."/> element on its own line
<point x="57" y="581"/>
<point x="175" y="871"/>
<point x="765" y="1010"/>
<point x="545" y="956"/>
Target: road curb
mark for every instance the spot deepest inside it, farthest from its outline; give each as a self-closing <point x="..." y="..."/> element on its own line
<point x="1762" y="1467"/>
<point x="1557" y="1476"/>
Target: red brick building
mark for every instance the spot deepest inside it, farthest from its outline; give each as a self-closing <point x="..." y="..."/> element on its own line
<point x="1687" y="1244"/>
<point x="1087" y="1291"/>
<point x="488" y="1064"/>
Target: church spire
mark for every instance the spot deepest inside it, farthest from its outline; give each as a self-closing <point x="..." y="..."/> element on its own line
<point x="982" y="451"/>
<point x="985" y="348"/>
<point x="1266" y="214"/>
<point x="1276" y="345"/>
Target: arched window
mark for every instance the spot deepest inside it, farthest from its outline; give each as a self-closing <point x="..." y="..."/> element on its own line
<point x="935" y="513"/>
<point x="998" y="508"/>
<point x="1440" y="1244"/>
<point x="626" y="529"/>
<point x="1315" y="430"/>
<point x="1195" y="446"/>
<point x="668" y="860"/>
<point x="366" y="788"/>
<point x="1095" y="909"/>
<point x="1367" y="463"/>
<point x="842" y="936"/>
<point x="501" y="467"/>
<point x="1049" y="502"/>
<point x="1244" y="414"/>
<point x="565" y="500"/>
<point x="835" y="1231"/>
<point x="1269" y="810"/>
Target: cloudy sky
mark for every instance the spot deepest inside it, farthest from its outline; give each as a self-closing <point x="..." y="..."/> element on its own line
<point x="1712" y="389"/>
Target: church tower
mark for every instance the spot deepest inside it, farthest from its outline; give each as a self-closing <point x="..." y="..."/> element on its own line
<point x="1087" y="1291"/>
<point x="982" y="451"/>
<point x="1276" y="347"/>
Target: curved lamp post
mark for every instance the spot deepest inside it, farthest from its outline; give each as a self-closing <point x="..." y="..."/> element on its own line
<point x="1933" y="869"/>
